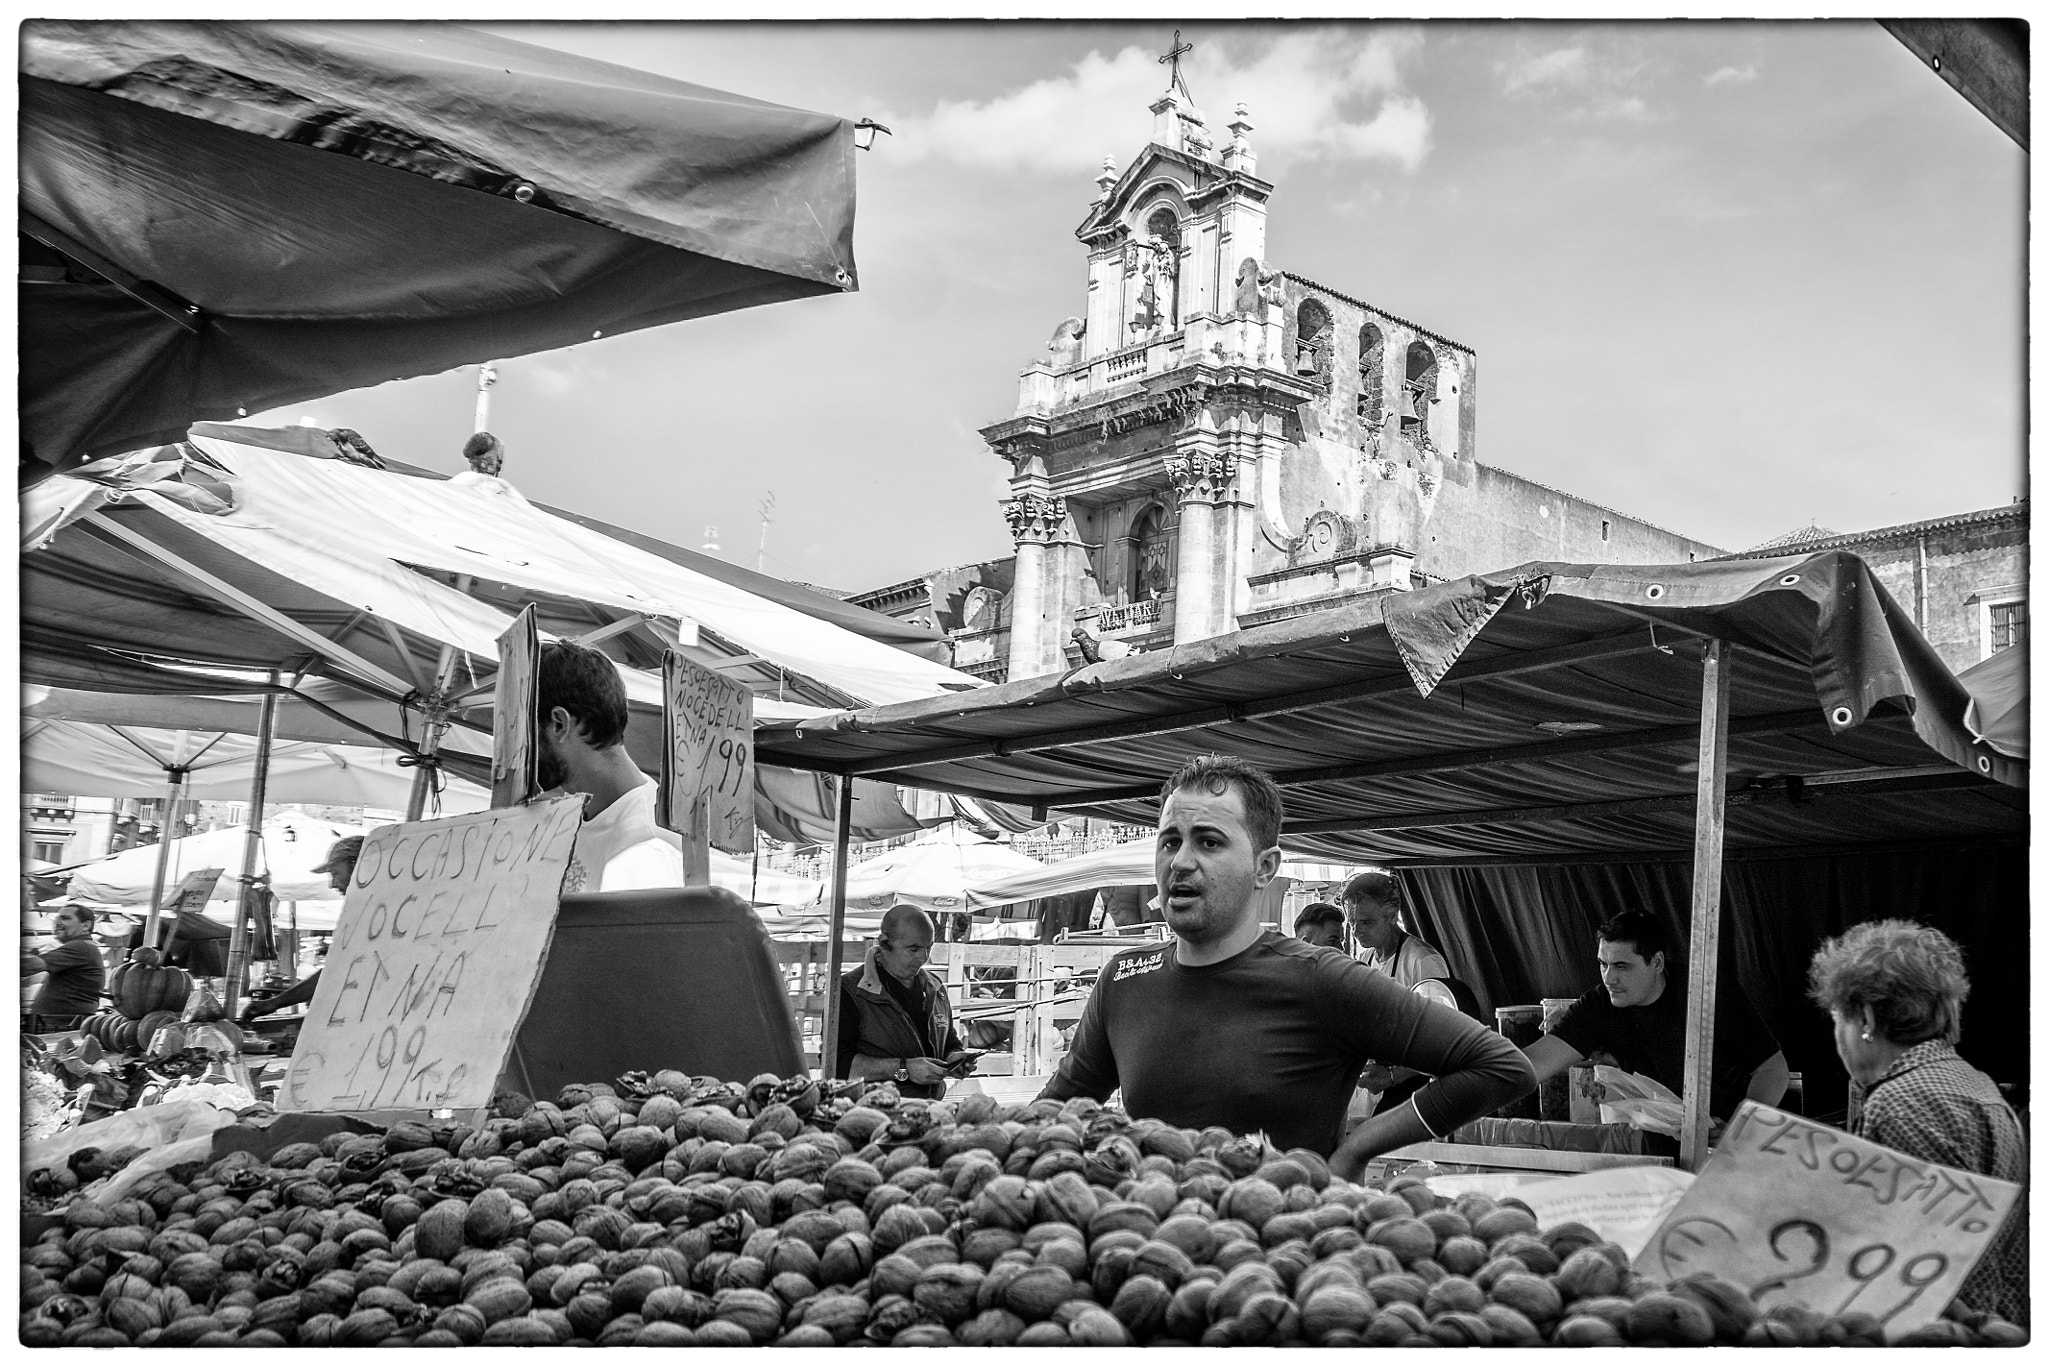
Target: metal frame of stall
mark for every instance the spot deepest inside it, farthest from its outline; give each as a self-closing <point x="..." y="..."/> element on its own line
<point x="1842" y="586"/>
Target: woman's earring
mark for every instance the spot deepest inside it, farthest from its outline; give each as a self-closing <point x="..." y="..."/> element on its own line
<point x="1866" y="1036"/>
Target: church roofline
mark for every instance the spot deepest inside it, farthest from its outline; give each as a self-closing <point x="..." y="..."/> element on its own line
<point x="1392" y="317"/>
<point x="1209" y="176"/>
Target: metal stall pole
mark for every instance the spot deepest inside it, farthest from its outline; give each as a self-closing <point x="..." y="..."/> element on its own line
<point x="1703" y="953"/>
<point x="835" y="955"/>
<point x="163" y="855"/>
<point x="435" y="721"/>
<point x="238" y="938"/>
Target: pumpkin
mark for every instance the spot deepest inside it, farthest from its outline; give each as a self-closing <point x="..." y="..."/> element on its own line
<point x="145" y="983"/>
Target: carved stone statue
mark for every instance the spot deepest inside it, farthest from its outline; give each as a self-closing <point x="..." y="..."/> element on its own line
<point x="1065" y="345"/>
<point x="1247" y="298"/>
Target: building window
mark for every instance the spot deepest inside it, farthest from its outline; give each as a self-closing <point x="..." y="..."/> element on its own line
<point x="49" y="851"/>
<point x="1604" y="529"/>
<point x="1151" y="563"/>
<point x="2005" y="625"/>
<point x="1314" y="341"/>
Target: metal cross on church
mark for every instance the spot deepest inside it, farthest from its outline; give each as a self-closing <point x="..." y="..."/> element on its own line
<point x="1172" y="59"/>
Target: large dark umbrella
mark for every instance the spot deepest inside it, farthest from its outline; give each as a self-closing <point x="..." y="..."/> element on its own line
<point x="225" y="217"/>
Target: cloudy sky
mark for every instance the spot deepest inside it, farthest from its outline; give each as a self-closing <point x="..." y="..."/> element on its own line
<point x="1732" y="278"/>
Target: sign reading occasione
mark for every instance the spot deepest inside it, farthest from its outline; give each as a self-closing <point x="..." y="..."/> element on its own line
<point x="440" y="944"/>
<point x="1791" y="1210"/>
<point x="707" y="771"/>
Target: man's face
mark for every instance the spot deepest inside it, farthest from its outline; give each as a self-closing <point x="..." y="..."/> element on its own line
<point x="337" y="878"/>
<point x="1207" y="869"/>
<point x="905" y="953"/>
<point x="1629" y="980"/>
<point x="70" y="925"/>
<point x="1376" y="923"/>
<point x="1324" y="934"/>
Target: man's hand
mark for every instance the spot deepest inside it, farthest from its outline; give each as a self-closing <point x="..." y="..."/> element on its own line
<point x="925" y="1071"/>
<point x="1376" y="1077"/>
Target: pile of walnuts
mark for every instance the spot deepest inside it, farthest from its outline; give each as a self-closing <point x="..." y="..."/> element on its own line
<point x="677" y="1211"/>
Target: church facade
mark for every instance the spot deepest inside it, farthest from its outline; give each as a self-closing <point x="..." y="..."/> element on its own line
<point x="1211" y="442"/>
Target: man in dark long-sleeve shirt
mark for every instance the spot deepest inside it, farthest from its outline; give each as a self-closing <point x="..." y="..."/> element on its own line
<point x="1235" y="1025"/>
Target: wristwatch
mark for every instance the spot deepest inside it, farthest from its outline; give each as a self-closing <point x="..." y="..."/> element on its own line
<point x="902" y="1071"/>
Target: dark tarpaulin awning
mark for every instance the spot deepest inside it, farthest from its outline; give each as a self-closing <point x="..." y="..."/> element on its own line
<point x="1547" y="711"/>
<point x="224" y="216"/>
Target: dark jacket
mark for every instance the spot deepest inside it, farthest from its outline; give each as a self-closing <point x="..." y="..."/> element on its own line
<point x="873" y="1023"/>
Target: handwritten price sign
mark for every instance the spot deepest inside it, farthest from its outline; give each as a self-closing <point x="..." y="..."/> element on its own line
<point x="1796" y="1211"/>
<point x="707" y="763"/>
<point x="441" y="939"/>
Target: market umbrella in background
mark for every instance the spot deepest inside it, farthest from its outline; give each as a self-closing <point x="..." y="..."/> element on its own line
<point x="933" y="871"/>
<point x="229" y="217"/>
<point x="85" y="759"/>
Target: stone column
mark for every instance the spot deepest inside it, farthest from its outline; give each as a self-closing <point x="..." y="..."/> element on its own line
<point x="1202" y="479"/>
<point x="1036" y="521"/>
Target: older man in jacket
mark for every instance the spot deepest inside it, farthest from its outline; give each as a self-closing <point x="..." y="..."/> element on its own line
<point x="895" y="1021"/>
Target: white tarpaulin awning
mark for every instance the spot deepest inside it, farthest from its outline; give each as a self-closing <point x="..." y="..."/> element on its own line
<point x="1120" y="865"/>
<point x="292" y="844"/>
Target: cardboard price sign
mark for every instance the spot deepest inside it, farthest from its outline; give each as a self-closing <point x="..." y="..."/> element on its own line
<point x="707" y="760"/>
<point x="1791" y="1210"/>
<point x="442" y="935"/>
<point x="515" y="706"/>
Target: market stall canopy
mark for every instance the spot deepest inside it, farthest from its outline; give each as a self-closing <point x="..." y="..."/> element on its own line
<point x="933" y="871"/>
<point x="224" y="217"/>
<point x="82" y="759"/>
<point x="1546" y="711"/>
<point x="1119" y="865"/>
<point x="292" y="844"/>
<point x="245" y="557"/>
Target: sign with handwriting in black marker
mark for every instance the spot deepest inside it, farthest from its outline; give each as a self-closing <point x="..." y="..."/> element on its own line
<point x="441" y="940"/>
<point x="707" y="759"/>
<point x="1794" y="1211"/>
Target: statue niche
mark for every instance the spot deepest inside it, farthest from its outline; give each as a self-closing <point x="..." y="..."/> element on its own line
<point x="1151" y="568"/>
<point x="1156" y="262"/>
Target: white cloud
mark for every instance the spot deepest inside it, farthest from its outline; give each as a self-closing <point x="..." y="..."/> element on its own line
<point x="1559" y="68"/>
<point x="1326" y="93"/>
<point x="1731" y="75"/>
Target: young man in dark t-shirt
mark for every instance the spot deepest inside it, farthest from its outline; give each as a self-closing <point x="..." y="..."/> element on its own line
<point x="77" y="974"/>
<point x="1637" y="1015"/>
<point x="1234" y="1025"/>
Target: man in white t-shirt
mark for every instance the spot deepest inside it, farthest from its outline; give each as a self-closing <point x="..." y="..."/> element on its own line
<point x="582" y="724"/>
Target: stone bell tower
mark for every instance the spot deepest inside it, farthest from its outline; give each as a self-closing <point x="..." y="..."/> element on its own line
<point x="1186" y="458"/>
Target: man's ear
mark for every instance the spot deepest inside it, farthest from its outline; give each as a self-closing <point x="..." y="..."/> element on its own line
<point x="1657" y="963"/>
<point x="1268" y="867"/>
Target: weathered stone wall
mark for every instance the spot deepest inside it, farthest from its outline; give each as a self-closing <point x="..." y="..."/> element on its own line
<point x="1500" y="520"/>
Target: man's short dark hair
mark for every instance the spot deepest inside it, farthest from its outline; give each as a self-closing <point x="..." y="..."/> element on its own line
<point x="1643" y="932"/>
<point x="1216" y="774"/>
<point x="85" y="914"/>
<point x="585" y="684"/>
<point x="1318" y="913"/>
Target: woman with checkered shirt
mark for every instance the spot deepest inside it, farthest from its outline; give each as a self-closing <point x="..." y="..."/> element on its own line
<point x="1896" y="991"/>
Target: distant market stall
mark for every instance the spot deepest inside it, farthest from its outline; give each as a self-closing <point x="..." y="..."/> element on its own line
<point x="1548" y="714"/>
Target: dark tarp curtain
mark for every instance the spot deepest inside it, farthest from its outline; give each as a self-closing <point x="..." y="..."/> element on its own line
<point x="1519" y="933"/>
<point x="223" y="216"/>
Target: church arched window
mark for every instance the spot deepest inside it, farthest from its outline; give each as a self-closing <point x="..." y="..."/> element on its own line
<point x="1418" y="391"/>
<point x="1151" y="564"/>
<point x="1372" y="374"/>
<point x="1314" y="341"/>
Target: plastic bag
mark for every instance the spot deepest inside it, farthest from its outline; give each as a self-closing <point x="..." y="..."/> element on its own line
<point x="1638" y="1101"/>
<point x="152" y="1127"/>
<point x="202" y="1006"/>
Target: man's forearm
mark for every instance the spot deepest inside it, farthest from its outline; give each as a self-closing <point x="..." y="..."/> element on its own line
<point x="1768" y="1083"/>
<point x="1383" y="1133"/>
